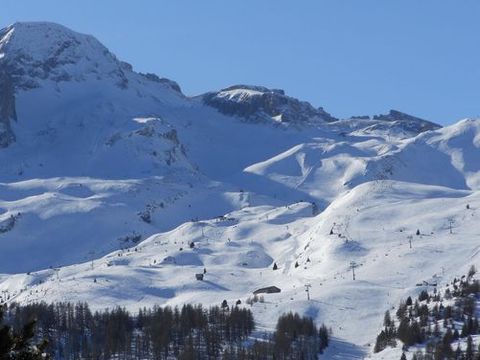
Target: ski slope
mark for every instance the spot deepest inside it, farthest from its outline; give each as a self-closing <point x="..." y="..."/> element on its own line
<point x="371" y="224"/>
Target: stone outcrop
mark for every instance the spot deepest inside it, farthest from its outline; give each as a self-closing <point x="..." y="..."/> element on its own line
<point x="408" y="122"/>
<point x="260" y="104"/>
<point x="7" y="108"/>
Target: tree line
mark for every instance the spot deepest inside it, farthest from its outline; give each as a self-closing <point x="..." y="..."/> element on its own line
<point x="69" y="331"/>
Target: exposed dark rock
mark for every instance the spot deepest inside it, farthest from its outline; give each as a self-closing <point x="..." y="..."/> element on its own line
<point x="133" y="238"/>
<point x="361" y="117"/>
<point x="409" y="122"/>
<point x="257" y="104"/>
<point x="173" y="85"/>
<point x="7" y="107"/>
<point x="9" y="224"/>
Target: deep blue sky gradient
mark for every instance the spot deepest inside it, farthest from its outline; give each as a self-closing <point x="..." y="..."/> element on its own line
<point x="352" y="57"/>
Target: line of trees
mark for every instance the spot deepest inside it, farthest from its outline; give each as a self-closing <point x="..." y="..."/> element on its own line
<point x="294" y="338"/>
<point x="72" y="331"/>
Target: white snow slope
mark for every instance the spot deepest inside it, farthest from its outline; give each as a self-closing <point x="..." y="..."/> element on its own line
<point x="113" y="174"/>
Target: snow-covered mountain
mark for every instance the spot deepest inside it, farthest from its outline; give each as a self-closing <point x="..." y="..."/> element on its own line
<point x="110" y="174"/>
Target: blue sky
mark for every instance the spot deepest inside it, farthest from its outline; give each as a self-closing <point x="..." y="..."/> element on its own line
<point x="352" y="57"/>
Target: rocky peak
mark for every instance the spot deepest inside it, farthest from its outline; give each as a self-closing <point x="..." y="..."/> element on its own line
<point x="259" y="104"/>
<point x="36" y="51"/>
<point x="36" y="55"/>
<point x="409" y="122"/>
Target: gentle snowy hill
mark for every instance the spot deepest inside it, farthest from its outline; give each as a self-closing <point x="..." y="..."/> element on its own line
<point x="324" y="168"/>
<point x="109" y="176"/>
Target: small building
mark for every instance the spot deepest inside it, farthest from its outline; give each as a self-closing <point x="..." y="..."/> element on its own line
<point x="267" y="290"/>
<point x="199" y="277"/>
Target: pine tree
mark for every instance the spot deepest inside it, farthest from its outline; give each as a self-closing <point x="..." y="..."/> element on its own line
<point x="19" y="346"/>
<point x="324" y="337"/>
<point x="387" y="321"/>
<point x="275" y="267"/>
<point x="471" y="271"/>
<point x="381" y="342"/>
<point x="469" y="350"/>
<point x="402" y="310"/>
<point x="458" y="352"/>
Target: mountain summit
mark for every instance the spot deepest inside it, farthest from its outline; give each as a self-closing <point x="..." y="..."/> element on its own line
<point x="38" y="51"/>
<point x="53" y="58"/>
<point x="258" y="103"/>
<point x="409" y="122"/>
<point x="47" y="58"/>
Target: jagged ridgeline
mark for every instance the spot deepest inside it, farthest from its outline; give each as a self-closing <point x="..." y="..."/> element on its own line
<point x="71" y="331"/>
<point x="437" y="325"/>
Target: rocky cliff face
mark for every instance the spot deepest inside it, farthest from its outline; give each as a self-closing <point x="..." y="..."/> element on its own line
<point x="409" y="122"/>
<point x="7" y="108"/>
<point x="260" y="104"/>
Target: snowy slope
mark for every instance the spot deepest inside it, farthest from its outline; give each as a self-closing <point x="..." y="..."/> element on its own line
<point x="110" y="174"/>
<point x="444" y="157"/>
<point x="371" y="224"/>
